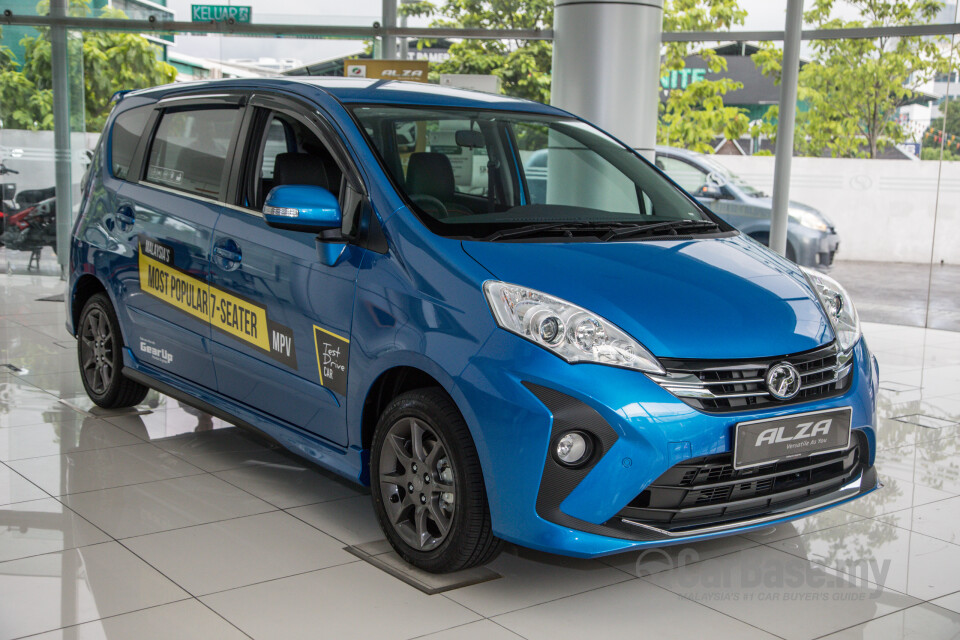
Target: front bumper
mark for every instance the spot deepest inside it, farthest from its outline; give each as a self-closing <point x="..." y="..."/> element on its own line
<point x="813" y="248"/>
<point x="865" y="482"/>
<point x="650" y="431"/>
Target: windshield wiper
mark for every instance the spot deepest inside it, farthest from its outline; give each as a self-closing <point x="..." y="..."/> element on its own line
<point x="533" y="229"/>
<point x="669" y="225"/>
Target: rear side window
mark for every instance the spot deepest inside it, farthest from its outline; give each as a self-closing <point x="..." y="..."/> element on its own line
<point x="190" y="149"/>
<point x="127" y="129"/>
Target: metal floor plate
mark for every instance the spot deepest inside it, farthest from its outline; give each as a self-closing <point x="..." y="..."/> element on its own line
<point x="381" y="555"/>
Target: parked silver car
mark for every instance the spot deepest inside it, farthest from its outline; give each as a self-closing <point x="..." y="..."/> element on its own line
<point x="811" y="238"/>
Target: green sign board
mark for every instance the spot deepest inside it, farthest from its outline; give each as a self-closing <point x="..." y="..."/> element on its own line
<point x="219" y="13"/>
<point x="682" y="78"/>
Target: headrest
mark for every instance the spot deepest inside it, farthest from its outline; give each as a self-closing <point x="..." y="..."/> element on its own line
<point x="300" y="168"/>
<point x="430" y="173"/>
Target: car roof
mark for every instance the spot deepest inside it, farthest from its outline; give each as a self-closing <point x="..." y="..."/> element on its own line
<point x="367" y="91"/>
<point x="676" y="151"/>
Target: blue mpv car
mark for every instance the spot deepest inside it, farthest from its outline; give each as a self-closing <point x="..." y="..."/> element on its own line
<point x="360" y="270"/>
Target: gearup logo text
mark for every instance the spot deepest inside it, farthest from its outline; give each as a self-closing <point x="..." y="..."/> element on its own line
<point x="742" y="576"/>
<point x="158" y="354"/>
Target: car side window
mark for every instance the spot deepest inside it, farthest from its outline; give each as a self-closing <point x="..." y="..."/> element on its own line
<point x="683" y="173"/>
<point x="190" y="149"/>
<point x="276" y="142"/>
<point x="289" y="152"/>
<point x="124" y="138"/>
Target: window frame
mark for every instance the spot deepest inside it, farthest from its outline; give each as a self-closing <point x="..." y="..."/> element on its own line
<point x="134" y="158"/>
<point x="188" y="104"/>
<point x="445" y="231"/>
<point x="353" y="190"/>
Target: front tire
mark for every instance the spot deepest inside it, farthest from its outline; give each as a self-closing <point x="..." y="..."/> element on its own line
<point x="100" y="355"/>
<point x="427" y="486"/>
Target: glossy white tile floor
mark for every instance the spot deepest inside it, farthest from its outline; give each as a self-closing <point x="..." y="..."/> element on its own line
<point x="168" y="524"/>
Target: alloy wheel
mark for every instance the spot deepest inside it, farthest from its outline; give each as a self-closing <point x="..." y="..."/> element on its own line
<point x="96" y="351"/>
<point x="417" y="484"/>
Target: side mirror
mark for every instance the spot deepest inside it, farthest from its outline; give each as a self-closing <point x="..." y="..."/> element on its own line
<point x="710" y="192"/>
<point x="301" y="207"/>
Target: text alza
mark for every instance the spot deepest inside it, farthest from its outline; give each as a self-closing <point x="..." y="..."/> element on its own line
<point x="804" y="430"/>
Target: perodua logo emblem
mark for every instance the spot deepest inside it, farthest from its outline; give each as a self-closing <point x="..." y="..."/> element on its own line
<point x="783" y="381"/>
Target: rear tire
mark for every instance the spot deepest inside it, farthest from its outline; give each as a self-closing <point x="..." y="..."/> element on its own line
<point x="443" y="523"/>
<point x="100" y="355"/>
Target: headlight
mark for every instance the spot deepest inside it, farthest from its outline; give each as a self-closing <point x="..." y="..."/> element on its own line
<point x="569" y="331"/>
<point x="808" y="219"/>
<point x="839" y="307"/>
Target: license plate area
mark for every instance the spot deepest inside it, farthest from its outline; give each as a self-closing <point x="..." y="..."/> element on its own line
<point x="760" y="442"/>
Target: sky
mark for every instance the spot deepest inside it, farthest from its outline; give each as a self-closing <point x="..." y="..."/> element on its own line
<point x="761" y="15"/>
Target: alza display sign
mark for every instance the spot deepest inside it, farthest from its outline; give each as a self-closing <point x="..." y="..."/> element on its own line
<point x="219" y="13"/>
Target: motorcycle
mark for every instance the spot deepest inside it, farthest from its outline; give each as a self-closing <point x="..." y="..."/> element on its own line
<point x="33" y="228"/>
<point x="27" y="218"/>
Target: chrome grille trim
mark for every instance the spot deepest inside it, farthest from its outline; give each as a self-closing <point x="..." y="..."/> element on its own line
<point x="717" y="386"/>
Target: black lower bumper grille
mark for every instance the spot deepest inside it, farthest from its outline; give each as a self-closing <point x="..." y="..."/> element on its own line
<point x="708" y="490"/>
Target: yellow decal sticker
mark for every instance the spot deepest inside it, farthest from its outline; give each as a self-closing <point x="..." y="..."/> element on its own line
<point x="333" y="355"/>
<point x="223" y="310"/>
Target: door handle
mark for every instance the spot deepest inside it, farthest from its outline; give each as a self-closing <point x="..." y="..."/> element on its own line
<point x="227" y="255"/>
<point x="125" y="215"/>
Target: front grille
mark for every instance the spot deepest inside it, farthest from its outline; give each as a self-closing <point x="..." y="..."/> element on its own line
<point x="736" y="385"/>
<point x="708" y="490"/>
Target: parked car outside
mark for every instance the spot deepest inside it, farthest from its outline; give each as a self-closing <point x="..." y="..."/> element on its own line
<point x="812" y="240"/>
<point x="598" y="365"/>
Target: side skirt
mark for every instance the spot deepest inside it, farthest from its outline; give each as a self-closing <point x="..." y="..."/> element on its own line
<point x="343" y="462"/>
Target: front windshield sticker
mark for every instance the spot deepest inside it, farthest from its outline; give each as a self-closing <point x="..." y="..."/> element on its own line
<point x="226" y="312"/>
<point x="333" y="354"/>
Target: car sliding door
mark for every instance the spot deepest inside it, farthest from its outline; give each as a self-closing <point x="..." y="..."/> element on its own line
<point x="171" y="211"/>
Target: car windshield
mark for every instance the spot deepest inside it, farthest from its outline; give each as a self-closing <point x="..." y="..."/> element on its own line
<point x="731" y="177"/>
<point x="493" y="174"/>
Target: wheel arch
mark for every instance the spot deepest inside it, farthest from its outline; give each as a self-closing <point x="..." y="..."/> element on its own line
<point x="86" y="287"/>
<point x="387" y="386"/>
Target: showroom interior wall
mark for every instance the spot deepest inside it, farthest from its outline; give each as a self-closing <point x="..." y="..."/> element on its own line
<point x="885" y="211"/>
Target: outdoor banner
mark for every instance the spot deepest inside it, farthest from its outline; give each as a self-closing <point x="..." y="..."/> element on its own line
<point x="411" y="70"/>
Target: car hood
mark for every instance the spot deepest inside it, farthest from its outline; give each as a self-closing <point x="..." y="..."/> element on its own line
<point x="717" y="298"/>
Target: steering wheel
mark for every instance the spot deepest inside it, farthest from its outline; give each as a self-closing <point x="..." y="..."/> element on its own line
<point x="431" y="205"/>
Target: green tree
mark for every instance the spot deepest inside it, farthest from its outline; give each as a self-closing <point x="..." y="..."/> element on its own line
<point x="944" y="131"/>
<point x="523" y="66"/>
<point x="112" y="61"/>
<point x="693" y="117"/>
<point x="852" y="89"/>
<point x="690" y="117"/>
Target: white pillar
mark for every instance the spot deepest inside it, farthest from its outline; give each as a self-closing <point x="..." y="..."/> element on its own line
<point x="606" y="66"/>
<point x="61" y="133"/>
<point x="785" y="121"/>
<point x="389" y="17"/>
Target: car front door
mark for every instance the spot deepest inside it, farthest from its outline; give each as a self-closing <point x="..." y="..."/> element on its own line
<point x="282" y="317"/>
<point x="168" y="209"/>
